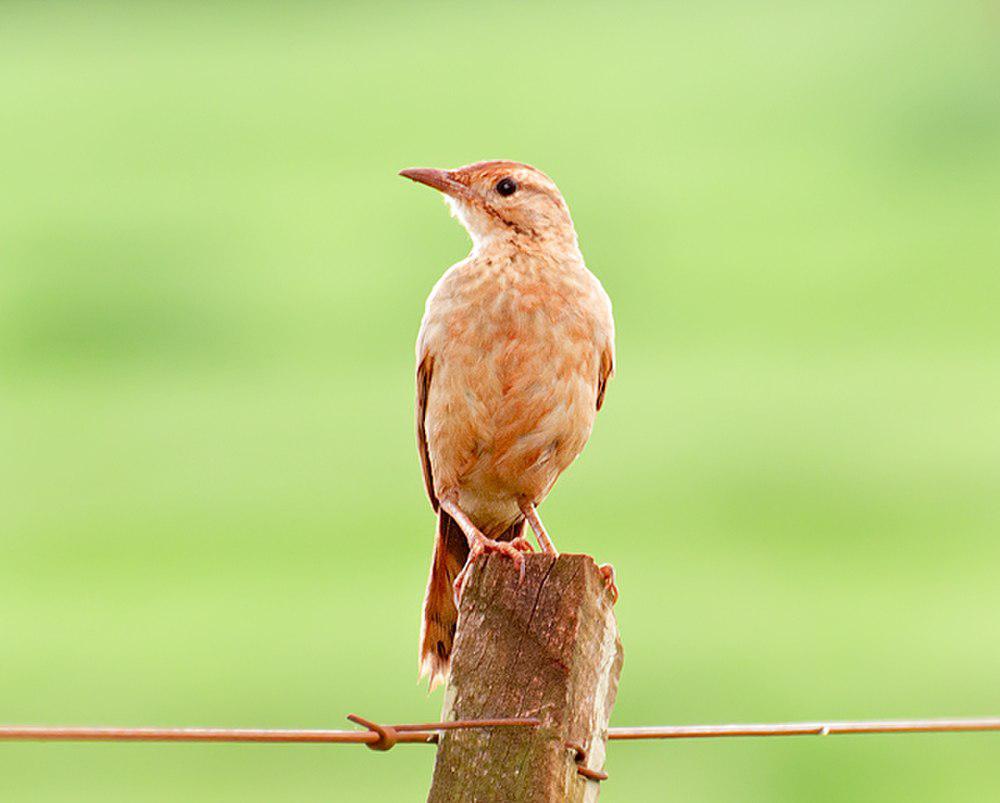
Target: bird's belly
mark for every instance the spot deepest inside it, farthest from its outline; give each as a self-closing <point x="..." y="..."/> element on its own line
<point x="506" y="415"/>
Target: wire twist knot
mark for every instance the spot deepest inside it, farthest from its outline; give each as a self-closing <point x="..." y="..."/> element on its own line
<point x="580" y="757"/>
<point x="387" y="736"/>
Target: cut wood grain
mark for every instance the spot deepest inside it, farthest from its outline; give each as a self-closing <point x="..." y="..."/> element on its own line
<point x="546" y="647"/>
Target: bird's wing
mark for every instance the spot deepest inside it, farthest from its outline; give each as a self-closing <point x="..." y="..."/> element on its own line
<point x="425" y="369"/>
<point x="605" y="371"/>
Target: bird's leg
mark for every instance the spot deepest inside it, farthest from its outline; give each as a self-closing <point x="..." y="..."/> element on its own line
<point x="479" y="544"/>
<point x="530" y="512"/>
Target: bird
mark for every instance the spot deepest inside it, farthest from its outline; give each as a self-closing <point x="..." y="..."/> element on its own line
<point x="513" y="357"/>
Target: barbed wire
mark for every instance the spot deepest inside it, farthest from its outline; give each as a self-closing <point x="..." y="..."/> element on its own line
<point x="378" y="736"/>
<point x="385" y="737"/>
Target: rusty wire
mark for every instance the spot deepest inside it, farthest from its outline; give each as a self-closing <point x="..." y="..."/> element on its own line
<point x="807" y="728"/>
<point x="428" y="732"/>
<point x="377" y="737"/>
<point x="580" y="756"/>
<point x="385" y="737"/>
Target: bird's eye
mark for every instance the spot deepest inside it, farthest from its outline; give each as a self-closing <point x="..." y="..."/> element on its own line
<point x="506" y="186"/>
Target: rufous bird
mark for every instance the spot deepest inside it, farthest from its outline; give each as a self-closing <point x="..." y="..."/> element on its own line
<point x="514" y="354"/>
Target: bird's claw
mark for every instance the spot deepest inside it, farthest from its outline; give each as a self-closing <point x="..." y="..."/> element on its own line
<point x="522" y="544"/>
<point x="608" y="573"/>
<point x="459" y="585"/>
<point x="514" y="550"/>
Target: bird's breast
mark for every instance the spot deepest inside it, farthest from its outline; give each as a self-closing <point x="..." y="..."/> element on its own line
<point x="513" y="397"/>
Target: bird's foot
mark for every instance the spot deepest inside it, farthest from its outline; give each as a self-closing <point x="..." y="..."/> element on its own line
<point x="608" y="573"/>
<point x="482" y="545"/>
<point x="522" y="544"/>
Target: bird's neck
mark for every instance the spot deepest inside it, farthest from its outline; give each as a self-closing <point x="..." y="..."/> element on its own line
<point x="511" y="244"/>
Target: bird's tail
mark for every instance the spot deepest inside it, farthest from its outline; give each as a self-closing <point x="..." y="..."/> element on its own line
<point x="437" y="634"/>
<point x="451" y="549"/>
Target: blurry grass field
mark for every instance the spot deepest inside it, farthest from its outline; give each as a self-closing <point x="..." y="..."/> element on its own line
<point x="211" y="510"/>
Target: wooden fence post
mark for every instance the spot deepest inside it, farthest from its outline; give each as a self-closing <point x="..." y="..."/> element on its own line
<point x="548" y="648"/>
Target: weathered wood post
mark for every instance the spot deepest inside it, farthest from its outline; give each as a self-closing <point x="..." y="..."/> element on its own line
<point x="545" y="648"/>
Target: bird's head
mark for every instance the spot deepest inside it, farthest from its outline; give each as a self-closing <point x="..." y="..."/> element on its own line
<point x="502" y="199"/>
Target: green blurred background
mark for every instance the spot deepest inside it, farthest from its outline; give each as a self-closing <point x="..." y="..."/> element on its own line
<point x="210" y="283"/>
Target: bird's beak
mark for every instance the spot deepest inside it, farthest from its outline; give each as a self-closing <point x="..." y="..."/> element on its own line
<point x="440" y="180"/>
